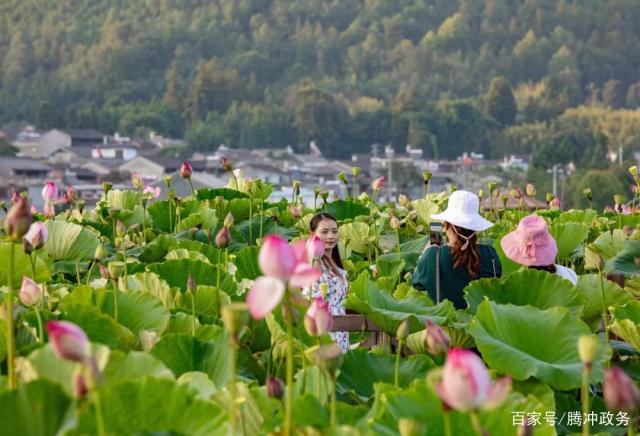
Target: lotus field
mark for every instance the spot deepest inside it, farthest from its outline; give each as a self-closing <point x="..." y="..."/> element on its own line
<point x="186" y="316"/>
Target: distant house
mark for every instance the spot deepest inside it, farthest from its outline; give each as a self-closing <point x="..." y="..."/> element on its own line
<point x="116" y="150"/>
<point x="72" y="138"/>
<point x="182" y="187"/>
<point x="145" y="167"/>
<point x="19" y="173"/>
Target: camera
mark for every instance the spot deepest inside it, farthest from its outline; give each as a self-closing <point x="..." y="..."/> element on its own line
<point x="435" y="233"/>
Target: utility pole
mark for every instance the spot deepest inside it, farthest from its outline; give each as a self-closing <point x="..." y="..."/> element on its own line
<point x="388" y="150"/>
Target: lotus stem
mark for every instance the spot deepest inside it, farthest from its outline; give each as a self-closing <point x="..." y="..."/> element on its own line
<point x="396" y="371"/>
<point x="250" y="220"/>
<point x="170" y="217"/>
<point x="13" y="382"/>
<point x="33" y="264"/>
<point x="99" y="417"/>
<point x="605" y="316"/>
<point x="77" y="272"/>
<point x="398" y="238"/>
<point x="261" y="215"/>
<point x="584" y="394"/>
<point x="218" y="269"/>
<point x="632" y="425"/>
<point x="233" y="346"/>
<point x="193" y="191"/>
<point x="476" y="423"/>
<point x="93" y="263"/>
<point x="193" y="314"/>
<point x="333" y="399"/>
<point x="289" y="370"/>
<point x="115" y="299"/>
<point x="144" y="221"/>
<point x="355" y="187"/>
<point x="447" y="422"/>
<point x="40" y="329"/>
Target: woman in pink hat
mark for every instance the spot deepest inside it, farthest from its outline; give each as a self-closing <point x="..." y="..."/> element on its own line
<point x="531" y="244"/>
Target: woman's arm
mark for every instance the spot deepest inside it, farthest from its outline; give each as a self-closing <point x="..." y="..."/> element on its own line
<point x="424" y="268"/>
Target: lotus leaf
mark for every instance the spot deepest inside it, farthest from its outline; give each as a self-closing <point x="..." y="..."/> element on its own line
<point x="626" y="323"/>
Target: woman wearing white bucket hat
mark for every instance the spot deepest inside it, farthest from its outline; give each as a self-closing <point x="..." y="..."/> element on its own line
<point x="445" y="271"/>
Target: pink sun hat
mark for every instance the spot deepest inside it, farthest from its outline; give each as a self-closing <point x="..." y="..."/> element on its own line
<point x="530" y="244"/>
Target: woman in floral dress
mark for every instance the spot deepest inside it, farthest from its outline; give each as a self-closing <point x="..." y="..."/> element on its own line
<point x="325" y="226"/>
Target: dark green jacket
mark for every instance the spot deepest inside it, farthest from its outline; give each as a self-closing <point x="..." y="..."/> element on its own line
<point x="452" y="280"/>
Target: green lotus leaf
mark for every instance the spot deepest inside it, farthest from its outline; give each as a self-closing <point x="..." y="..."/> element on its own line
<point x="524" y="342"/>
<point x="426" y="208"/>
<point x="626" y="323"/>
<point x="247" y="264"/>
<point x="208" y="301"/>
<point x="607" y="245"/>
<point x="568" y="236"/>
<point x="361" y="369"/>
<point x="22" y="266"/>
<point x="346" y="209"/>
<point x="204" y="218"/>
<point x="209" y="251"/>
<point x="309" y="412"/>
<point x="156" y="250"/>
<point x="183" y="323"/>
<point x="410" y="252"/>
<point x="135" y="216"/>
<point x="35" y="408"/>
<point x="566" y="403"/>
<point x="387" y="313"/>
<point x="153" y="405"/>
<point x="138" y="311"/>
<point x="3" y="344"/>
<point x="211" y="194"/>
<point x="314" y="381"/>
<point x="391" y="268"/>
<point x="99" y="327"/>
<point x="239" y="208"/>
<point x="528" y="287"/>
<point x="356" y="236"/>
<point x="249" y="415"/>
<point x="240" y="232"/>
<point x="626" y="260"/>
<point x="119" y="199"/>
<point x="134" y="365"/>
<point x="184" y="353"/>
<point x="198" y="382"/>
<point x="163" y="214"/>
<point x="183" y="253"/>
<point x="585" y="217"/>
<point x="68" y="241"/>
<point x="590" y="290"/>
<point x="176" y="272"/>
<point x="150" y="283"/>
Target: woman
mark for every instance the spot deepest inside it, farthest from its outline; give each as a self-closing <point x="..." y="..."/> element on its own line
<point x="325" y="227"/>
<point x="445" y="271"/>
<point x="531" y="244"/>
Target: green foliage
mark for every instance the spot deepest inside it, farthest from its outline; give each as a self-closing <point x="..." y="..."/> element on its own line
<point x="499" y="101"/>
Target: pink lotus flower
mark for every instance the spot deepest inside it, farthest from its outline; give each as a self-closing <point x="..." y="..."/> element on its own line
<point x="50" y="191"/>
<point x="294" y="211"/>
<point x="37" y="234"/>
<point x="318" y="319"/>
<point x="315" y="248"/>
<point x="555" y="202"/>
<point x="438" y="341"/>
<point x="68" y="341"/>
<point x="619" y="391"/>
<point x="30" y="293"/>
<point x="153" y="192"/>
<point x="34" y="210"/>
<point x="280" y="265"/>
<point x="18" y="219"/>
<point x="49" y="209"/>
<point x="378" y="183"/>
<point x="223" y="237"/>
<point x="466" y="384"/>
<point x="186" y="170"/>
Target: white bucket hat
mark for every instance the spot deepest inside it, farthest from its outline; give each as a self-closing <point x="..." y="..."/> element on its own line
<point x="462" y="211"/>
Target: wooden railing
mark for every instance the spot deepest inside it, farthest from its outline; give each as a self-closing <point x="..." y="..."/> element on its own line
<point x="360" y="323"/>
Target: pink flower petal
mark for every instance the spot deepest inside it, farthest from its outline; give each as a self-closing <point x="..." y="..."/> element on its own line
<point x="277" y="258"/>
<point x="304" y="275"/>
<point x="264" y="296"/>
<point x="68" y="341"/>
<point x="498" y="393"/>
<point x="300" y="251"/>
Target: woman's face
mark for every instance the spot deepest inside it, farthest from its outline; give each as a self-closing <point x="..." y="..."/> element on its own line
<point x="327" y="231"/>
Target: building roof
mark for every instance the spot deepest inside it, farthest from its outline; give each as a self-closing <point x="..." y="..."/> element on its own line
<point x="84" y="134"/>
<point x="10" y="163"/>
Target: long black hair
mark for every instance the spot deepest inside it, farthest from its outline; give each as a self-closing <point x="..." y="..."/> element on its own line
<point x="467" y="256"/>
<point x="335" y="253"/>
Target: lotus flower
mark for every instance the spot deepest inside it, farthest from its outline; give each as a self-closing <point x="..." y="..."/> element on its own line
<point x="315" y="248"/>
<point x="226" y="164"/>
<point x="37" y="235"/>
<point x="68" y="341"/>
<point x="279" y="264"/>
<point x="50" y="191"/>
<point x="318" y="319"/>
<point x="466" y="384"/>
<point x="294" y="211"/>
<point x="620" y="392"/>
<point x="438" y="341"/>
<point x="186" y="170"/>
<point x="378" y="183"/>
<point x="18" y="219"/>
<point x="223" y="237"/>
<point x="152" y="192"/>
<point x="29" y="294"/>
<point x="136" y="181"/>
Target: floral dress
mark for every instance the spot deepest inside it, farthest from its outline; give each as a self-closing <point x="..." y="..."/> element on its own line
<point x="336" y="294"/>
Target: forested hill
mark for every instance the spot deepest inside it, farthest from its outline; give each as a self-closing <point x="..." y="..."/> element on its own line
<point x="344" y="72"/>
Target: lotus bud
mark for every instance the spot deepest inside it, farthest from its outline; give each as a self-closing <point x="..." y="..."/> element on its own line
<point x="100" y="253"/>
<point x="634" y="170"/>
<point x="315" y="248"/>
<point x="356" y="171"/>
<point x="343" y="178"/>
<point x="550" y="197"/>
<point x="492" y="186"/>
<point x="294" y="211"/>
<point x="275" y="387"/>
<point x="587" y="348"/>
<point x="106" y="187"/>
<point x="68" y="341"/>
<point x="18" y="219"/>
<point x="80" y="388"/>
<point x="136" y="181"/>
<point x="587" y="194"/>
<point x="324" y="195"/>
<point x="411" y="427"/>
<point x="316" y="192"/>
<point x="327" y="357"/>
<point x="318" y="319"/>
<point x="619" y="391"/>
<point x="191" y="284"/>
<point x="296" y="187"/>
<point x="116" y="269"/>
<point x="531" y="190"/>
<point x="426" y="176"/>
<point x="30" y="293"/>
<point x="394" y="222"/>
<point x="504" y="199"/>
<point x="363" y="197"/>
<point x="480" y="193"/>
<point x="617" y="199"/>
<point x="50" y="191"/>
<point x="234" y="317"/>
<point x="35" y="237"/>
<point x="276" y="258"/>
<point x="121" y="229"/>
<point x="225" y="164"/>
<point x="378" y="183"/>
<point x="186" y="170"/>
<point x="228" y="220"/>
<point x="555" y="203"/>
<point x="167" y="181"/>
<point x="223" y="237"/>
<point x="104" y="271"/>
<point x="628" y="231"/>
<point x="437" y="339"/>
<point x="403" y="330"/>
